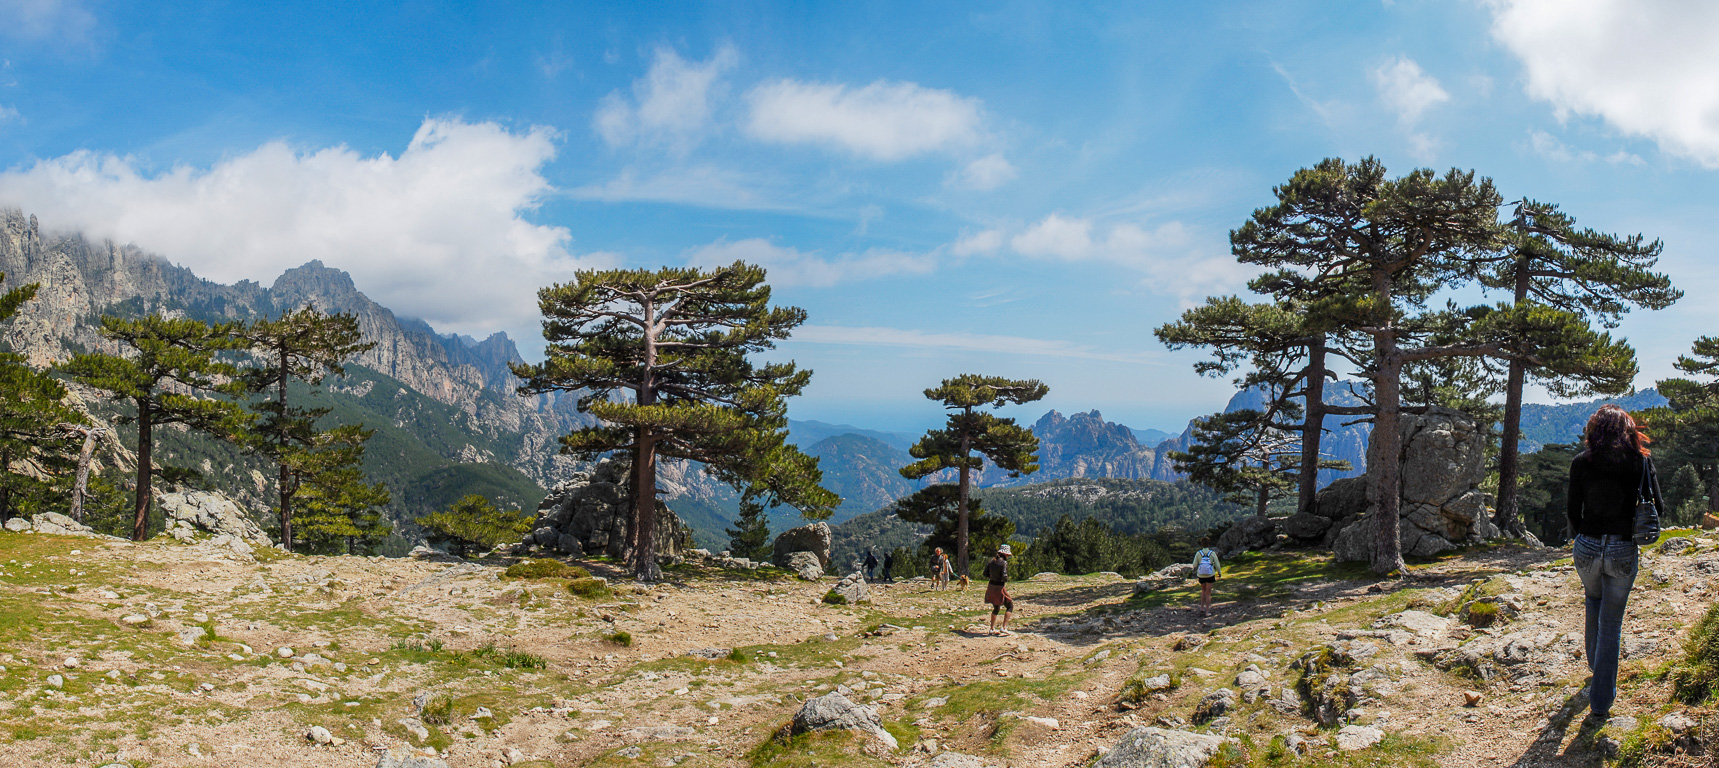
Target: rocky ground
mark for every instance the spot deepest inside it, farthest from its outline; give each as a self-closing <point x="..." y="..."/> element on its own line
<point x="168" y="654"/>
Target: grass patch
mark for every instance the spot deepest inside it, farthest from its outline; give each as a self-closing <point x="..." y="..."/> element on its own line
<point x="1257" y="576"/>
<point x="621" y="638"/>
<point x="545" y="569"/>
<point x="589" y="587"/>
<point x="812" y="750"/>
<point x="1695" y="678"/>
<point x="438" y="710"/>
<point x="834" y="598"/>
<point x="1481" y="614"/>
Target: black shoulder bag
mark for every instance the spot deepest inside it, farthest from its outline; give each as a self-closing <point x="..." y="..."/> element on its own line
<point x="1646" y="514"/>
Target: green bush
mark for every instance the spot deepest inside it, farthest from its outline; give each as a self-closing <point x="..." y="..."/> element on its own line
<point x="438" y="711"/>
<point x="833" y="598"/>
<point x="1695" y="679"/>
<point x="588" y="587"/>
<point x="621" y="638"/>
<point x="1482" y="614"/>
<point x="545" y="569"/>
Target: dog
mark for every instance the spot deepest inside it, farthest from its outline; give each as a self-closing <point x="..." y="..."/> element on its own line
<point x="963" y="581"/>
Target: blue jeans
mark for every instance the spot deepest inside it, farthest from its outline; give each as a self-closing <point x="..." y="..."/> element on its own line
<point x="1607" y="567"/>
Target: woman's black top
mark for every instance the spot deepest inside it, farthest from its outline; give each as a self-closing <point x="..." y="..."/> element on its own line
<point x="1603" y="493"/>
<point x="997" y="571"/>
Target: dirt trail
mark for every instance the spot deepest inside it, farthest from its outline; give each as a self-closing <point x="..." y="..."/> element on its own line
<point x="370" y="635"/>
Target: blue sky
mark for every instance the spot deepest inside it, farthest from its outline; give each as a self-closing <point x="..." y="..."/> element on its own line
<point x="1023" y="189"/>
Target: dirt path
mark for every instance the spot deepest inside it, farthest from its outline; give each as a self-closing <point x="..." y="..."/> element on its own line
<point x="719" y="660"/>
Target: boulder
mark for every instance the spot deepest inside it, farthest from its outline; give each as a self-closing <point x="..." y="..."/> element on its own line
<point x="1162" y="748"/>
<point x="17" y="525"/>
<point x="400" y="758"/>
<point x="1354" y="737"/>
<point x="56" y="523"/>
<point x="191" y="512"/>
<point x="805" y="565"/>
<point x="1249" y="533"/>
<point x="852" y="588"/>
<point x="1676" y="545"/>
<point x="591" y="514"/>
<point x="1214" y="705"/>
<point x="833" y="711"/>
<point x="814" y="538"/>
<point x="1441" y="506"/>
<point x="1305" y="528"/>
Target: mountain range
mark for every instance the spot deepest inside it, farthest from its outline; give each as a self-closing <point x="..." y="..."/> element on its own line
<point x="449" y="421"/>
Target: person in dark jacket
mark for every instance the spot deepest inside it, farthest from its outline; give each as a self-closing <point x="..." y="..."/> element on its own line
<point x="997" y="589"/>
<point x="1606" y="479"/>
<point x="870" y="564"/>
<point x="888" y="565"/>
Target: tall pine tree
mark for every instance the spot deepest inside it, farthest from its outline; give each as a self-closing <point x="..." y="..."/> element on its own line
<point x="1246" y="456"/>
<point x="750" y="536"/>
<point x="171" y="373"/>
<point x="969" y="430"/>
<point x="341" y="512"/>
<point x="303" y="345"/>
<point x="1686" y="429"/>
<point x="663" y="360"/>
<point x="34" y="422"/>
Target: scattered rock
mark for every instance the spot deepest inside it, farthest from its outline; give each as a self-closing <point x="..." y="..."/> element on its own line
<point x="190" y="635"/>
<point x="591" y="514"/>
<point x="56" y="682"/>
<point x="396" y="758"/>
<point x="415" y="727"/>
<point x="804" y="564"/>
<point x="1355" y="737"/>
<point x="660" y="733"/>
<point x="814" y="538"/>
<point x="1189" y="643"/>
<point x="1162" y="748"/>
<point x="1214" y="705"/>
<point x="284" y="652"/>
<point x="958" y="760"/>
<point x="1678" y="723"/>
<point x="1676" y="546"/>
<point x="1048" y="722"/>
<point x="188" y="513"/>
<point x="319" y="735"/>
<point x="852" y="588"/>
<point x="1472" y="698"/>
<point x="833" y="711"/>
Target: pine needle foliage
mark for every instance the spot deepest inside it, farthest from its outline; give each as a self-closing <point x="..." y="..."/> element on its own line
<point x="663" y="359"/>
<point x="35" y="452"/>
<point x="172" y="371"/>
<point x="473" y="524"/>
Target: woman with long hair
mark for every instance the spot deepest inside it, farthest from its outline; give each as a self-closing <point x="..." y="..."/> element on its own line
<point x="1606" y="479"/>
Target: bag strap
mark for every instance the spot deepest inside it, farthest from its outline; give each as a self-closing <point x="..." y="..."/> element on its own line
<point x="1641" y="490"/>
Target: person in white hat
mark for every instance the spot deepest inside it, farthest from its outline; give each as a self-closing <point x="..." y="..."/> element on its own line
<point x="997" y="589"/>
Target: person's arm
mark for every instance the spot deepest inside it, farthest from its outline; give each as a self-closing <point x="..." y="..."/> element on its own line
<point x="1217" y="565"/>
<point x="1653" y="488"/>
<point x="1578" y="490"/>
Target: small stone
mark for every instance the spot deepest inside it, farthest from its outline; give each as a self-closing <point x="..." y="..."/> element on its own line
<point x="135" y="620"/>
<point x="56" y="682"/>
<point x="1355" y="737"/>
<point x="1471" y="698"/>
<point x="513" y="756"/>
<point x="284" y="652"/>
<point x="1048" y="722"/>
<point x="320" y="735"/>
<point x="71" y="662"/>
<point x="113" y="674"/>
<point x="372" y="662"/>
<point x="1677" y="722"/>
<point x="631" y="753"/>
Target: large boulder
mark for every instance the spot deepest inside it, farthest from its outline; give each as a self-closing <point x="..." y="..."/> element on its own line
<point x="189" y="513"/>
<point x="814" y="538"/>
<point x="591" y="514"/>
<point x="1305" y="528"/>
<point x="1162" y="748"/>
<point x="1440" y="507"/>
<point x="1249" y="533"/>
<point x="805" y="565"/>
<point x="833" y="711"/>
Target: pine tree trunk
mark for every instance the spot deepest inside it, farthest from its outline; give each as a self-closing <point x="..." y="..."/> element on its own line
<point x="1263" y="501"/>
<point x="1508" y="517"/>
<point x="145" y="468"/>
<point x="282" y="481"/>
<point x="1312" y="428"/>
<point x="80" y="487"/>
<point x="645" y="509"/>
<point x="961" y="507"/>
<point x="1384" y="461"/>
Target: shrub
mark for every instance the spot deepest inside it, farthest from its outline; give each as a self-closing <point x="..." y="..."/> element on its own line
<point x="621" y="638"/>
<point x="438" y="711"/>
<point x="1482" y="614"/>
<point x="472" y="524"/>
<point x="1695" y="679"/>
<point x="834" y="598"/>
<point x="545" y="569"/>
<point x="738" y="655"/>
<point x="522" y="660"/>
<point x="588" y="586"/>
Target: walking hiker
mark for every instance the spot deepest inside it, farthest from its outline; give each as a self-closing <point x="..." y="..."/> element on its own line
<point x="1607" y="480"/>
<point x="939" y="569"/>
<point x="888" y="563"/>
<point x="1207" y="568"/>
<point x="997" y="589"/>
<point x="870" y="564"/>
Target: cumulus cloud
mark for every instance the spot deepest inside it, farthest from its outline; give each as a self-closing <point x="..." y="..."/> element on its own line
<point x="985" y="173"/>
<point x="1552" y="148"/>
<point x="671" y="103"/>
<point x="985" y="241"/>
<point x="1169" y="257"/>
<point x="872" y="336"/>
<point x="439" y="232"/>
<point x="1648" y="68"/>
<point x="882" y="121"/>
<point x="1409" y="92"/>
<point x="702" y="185"/>
<point x="793" y="267"/>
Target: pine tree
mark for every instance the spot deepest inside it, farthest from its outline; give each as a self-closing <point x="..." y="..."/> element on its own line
<point x="34" y="422"/>
<point x="954" y="524"/>
<point x="1009" y="446"/>
<point x="662" y="358"/>
<point x="1600" y="276"/>
<point x="750" y="536"/>
<point x="305" y="345"/>
<point x="1243" y="455"/>
<point x="1363" y="254"/>
<point x="171" y="374"/>
<point x="341" y="512"/>
<point x="473" y="524"/>
<point x="1686" y="429"/>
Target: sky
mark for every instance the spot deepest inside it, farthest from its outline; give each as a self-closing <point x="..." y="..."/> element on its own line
<point x="1022" y="189"/>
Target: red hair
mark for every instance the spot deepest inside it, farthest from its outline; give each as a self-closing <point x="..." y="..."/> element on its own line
<point x="1611" y="430"/>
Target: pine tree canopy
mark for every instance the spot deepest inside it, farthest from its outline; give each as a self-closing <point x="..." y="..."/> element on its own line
<point x="473" y="524"/>
<point x="34" y="448"/>
<point x="939" y="506"/>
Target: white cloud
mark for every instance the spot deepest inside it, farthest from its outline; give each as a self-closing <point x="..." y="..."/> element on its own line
<point x="985" y="173"/>
<point x="882" y="121"/>
<point x="1410" y="92"/>
<point x="1171" y="259"/>
<point x="9" y="114"/>
<point x="702" y="185"/>
<point x="792" y="267"/>
<point x="873" y="336"/>
<point x="61" y="20"/>
<point x="1550" y="147"/>
<point x="438" y="232"/>
<point x="1648" y="68"/>
<point x="986" y="241"/>
<point x="671" y="103"/>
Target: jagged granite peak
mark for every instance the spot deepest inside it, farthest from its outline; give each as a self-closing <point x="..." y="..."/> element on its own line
<point x="1085" y="445"/>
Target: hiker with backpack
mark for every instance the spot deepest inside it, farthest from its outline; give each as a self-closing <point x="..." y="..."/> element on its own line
<point x="997" y="589"/>
<point x="1208" y="569"/>
<point x="870" y="564"/>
